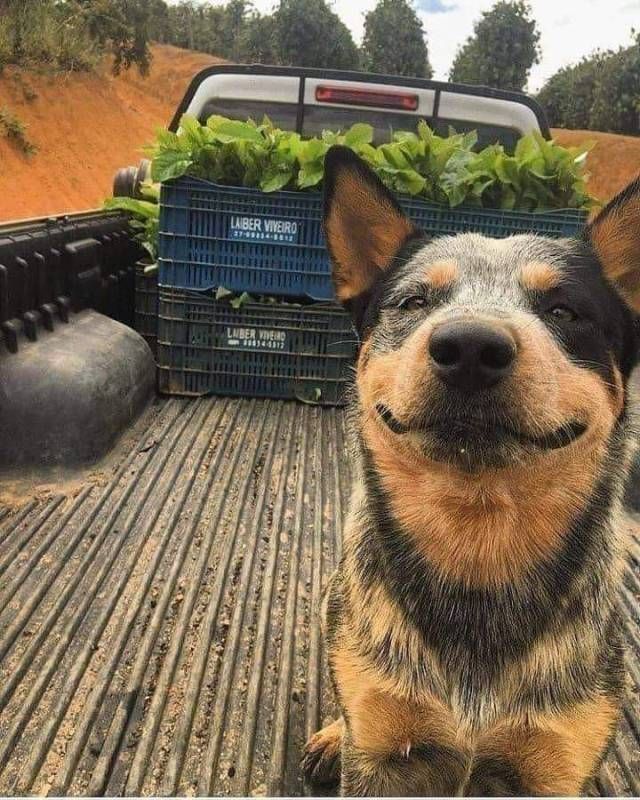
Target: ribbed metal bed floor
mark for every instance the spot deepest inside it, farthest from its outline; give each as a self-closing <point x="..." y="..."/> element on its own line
<point x="158" y="621"/>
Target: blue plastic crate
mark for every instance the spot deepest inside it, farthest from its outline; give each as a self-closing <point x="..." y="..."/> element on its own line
<point x="273" y="244"/>
<point x="278" y="350"/>
<point x="146" y="306"/>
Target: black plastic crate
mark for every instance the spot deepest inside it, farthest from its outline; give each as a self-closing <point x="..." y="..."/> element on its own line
<point x="279" y="350"/>
<point x="146" y="308"/>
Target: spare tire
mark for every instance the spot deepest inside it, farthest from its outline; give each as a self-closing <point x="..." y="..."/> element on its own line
<point x="128" y="180"/>
<point x="124" y="182"/>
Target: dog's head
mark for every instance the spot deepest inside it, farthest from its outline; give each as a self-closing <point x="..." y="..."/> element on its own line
<point x="477" y="352"/>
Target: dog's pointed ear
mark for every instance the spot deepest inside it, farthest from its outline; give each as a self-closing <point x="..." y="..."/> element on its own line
<point x="615" y="236"/>
<point x="364" y="225"/>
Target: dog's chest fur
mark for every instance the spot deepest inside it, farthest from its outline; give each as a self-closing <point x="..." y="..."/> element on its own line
<point x="487" y="653"/>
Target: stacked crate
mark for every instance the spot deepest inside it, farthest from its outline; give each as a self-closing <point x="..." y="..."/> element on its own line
<point x="296" y="342"/>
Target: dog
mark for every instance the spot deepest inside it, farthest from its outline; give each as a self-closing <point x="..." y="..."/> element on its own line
<point x="472" y="627"/>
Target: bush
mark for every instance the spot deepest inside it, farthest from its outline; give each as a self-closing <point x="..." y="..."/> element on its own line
<point x="260" y="41"/>
<point x="601" y="92"/>
<point x="15" y="130"/>
<point x="74" y="34"/>
<point x="567" y="97"/>
<point x="616" y="96"/>
<point x="40" y="34"/>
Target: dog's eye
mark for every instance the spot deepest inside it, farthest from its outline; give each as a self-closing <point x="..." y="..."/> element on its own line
<point x="562" y="314"/>
<point x="414" y="303"/>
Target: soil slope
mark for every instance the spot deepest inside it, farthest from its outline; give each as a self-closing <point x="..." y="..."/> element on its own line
<point x="85" y="127"/>
<point x="613" y="162"/>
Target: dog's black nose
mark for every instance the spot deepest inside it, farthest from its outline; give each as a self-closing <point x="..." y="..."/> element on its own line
<point x="471" y="355"/>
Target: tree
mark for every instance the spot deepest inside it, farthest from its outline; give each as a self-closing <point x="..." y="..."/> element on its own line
<point x="600" y="92"/>
<point x="310" y="34"/>
<point x="394" y="40"/>
<point x="75" y="34"/>
<point x="260" y="40"/>
<point x="616" y="98"/>
<point x="234" y="21"/>
<point x="502" y="50"/>
<point x="119" y="26"/>
<point x="159" y="21"/>
<point x="567" y="97"/>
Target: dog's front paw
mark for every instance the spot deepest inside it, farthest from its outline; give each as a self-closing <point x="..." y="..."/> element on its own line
<point x="321" y="756"/>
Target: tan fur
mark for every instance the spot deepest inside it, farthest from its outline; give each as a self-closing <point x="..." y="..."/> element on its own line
<point x="385" y="725"/>
<point x="488" y="528"/>
<point x="383" y="721"/>
<point x="539" y="277"/>
<point x="439" y="696"/>
<point x="442" y="274"/>
<point x="386" y="616"/>
<point x="361" y="248"/>
<point x="555" y="754"/>
<point x="615" y="235"/>
<point x="617" y="391"/>
<point x="328" y="740"/>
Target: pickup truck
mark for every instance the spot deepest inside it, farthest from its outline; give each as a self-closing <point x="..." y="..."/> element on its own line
<point x="162" y="558"/>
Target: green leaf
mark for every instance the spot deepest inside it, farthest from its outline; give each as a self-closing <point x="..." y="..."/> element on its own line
<point x="228" y="130"/>
<point x="308" y="177"/>
<point x="238" y="302"/>
<point x="358" y="134"/>
<point x="142" y="208"/>
<point x="273" y="181"/>
<point x="151" y="191"/>
<point x="222" y="293"/>
<point x="169" y="164"/>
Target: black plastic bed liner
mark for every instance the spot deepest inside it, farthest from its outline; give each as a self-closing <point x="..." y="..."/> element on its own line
<point x="159" y="619"/>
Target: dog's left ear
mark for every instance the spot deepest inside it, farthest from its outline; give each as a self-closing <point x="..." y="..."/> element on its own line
<point x="363" y="223"/>
<point x="615" y="236"/>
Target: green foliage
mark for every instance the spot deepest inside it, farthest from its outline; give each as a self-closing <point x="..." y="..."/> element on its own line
<point x="567" y="97"/>
<point x="120" y="26"/>
<point x="259" y="42"/>
<point x="310" y="34"/>
<point x="539" y="175"/>
<point x="298" y="32"/>
<point x="145" y="216"/>
<point x="616" y="96"/>
<point x="74" y="34"/>
<point x="502" y="50"/>
<point x="15" y="130"/>
<point x="600" y="92"/>
<point x="43" y="33"/>
<point x="394" y="40"/>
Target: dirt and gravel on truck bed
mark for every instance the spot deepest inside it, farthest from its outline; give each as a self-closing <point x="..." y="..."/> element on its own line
<point x="159" y="615"/>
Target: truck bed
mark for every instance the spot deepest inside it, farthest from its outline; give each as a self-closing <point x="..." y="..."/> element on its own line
<point x="159" y="615"/>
